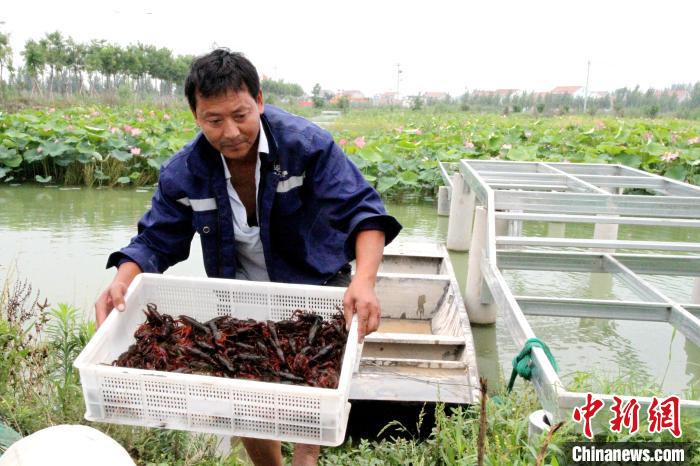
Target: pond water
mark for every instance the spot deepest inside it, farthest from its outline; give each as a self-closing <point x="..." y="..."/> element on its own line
<point x="59" y="239"/>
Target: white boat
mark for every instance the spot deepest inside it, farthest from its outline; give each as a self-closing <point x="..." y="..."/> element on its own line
<point x="423" y="350"/>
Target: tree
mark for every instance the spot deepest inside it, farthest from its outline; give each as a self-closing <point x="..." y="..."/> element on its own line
<point x="5" y="53"/>
<point x="417" y="103"/>
<point x="652" y="111"/>
<point x="318" y="101"/>
<point x="55" y="55"/>
<point x="34" y="61"/>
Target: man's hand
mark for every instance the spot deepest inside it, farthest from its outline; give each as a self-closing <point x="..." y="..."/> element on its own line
<point x="360" y="296"/>
<point x="113" y="296"/>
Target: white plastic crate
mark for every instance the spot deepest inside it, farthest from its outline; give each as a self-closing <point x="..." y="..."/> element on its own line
<point x="218" y="405"/>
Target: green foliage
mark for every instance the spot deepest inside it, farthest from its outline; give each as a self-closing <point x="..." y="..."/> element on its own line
<point x="67" y="337"/>
<point x="399" y="154"/>
<point x="40" y="388"/>
<point x="417" y="103"/>
<point x="91" y="145"/>
<point x="317" y="99"/>
<point x="281" y="88"/>
<point x="344" y="103"/>
<point x="401" y="150"/>
<point x="652" y="111"/>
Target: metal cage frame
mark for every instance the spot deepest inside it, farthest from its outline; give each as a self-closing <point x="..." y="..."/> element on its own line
<point x="562" y="192"/>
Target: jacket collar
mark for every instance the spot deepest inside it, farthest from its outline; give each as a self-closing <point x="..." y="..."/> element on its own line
<point x="205" y="162"/>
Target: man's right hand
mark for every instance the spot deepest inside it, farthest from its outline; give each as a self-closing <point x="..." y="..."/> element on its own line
<point x="113" y="296"/>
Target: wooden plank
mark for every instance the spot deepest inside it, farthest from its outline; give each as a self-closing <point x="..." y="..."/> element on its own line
<point x="414" y="339"/>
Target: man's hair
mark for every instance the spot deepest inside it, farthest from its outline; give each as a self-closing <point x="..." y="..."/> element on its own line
<point x="220" y="71"/>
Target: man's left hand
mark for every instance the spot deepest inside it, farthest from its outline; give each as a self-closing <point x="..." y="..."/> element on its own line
<point x="361" y="298"/>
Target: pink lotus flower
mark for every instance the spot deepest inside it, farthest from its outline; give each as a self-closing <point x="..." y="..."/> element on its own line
<point x="135" y="131"/>
<point x="166" y="116"/>
<point x="695" y="140"/>
<point x="343" y="142"/>
<point x="70" y="128"/>
<point x="648" y="136"/>
<point x="599" y="124"/>
<point x="127" y="128"/>
<point x="674" y="137"/>
<point x="135" y="151"/>
<point x="360" y="142"/>
<point x="419" y="132"/>
<point x="506" y="147"/>
<point x="669" y="156"/>
<point x="152" y="113"/>
<point x="51" y="110"/>
<point x="95" y="113"/>
<point x="399" y="129"/>
<point x="140" y="119"/>
<point x="113" y="130"/>
<point x="468" y="144"/>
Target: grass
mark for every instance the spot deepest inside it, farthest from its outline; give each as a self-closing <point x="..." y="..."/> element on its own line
<point x="39" y="387"/>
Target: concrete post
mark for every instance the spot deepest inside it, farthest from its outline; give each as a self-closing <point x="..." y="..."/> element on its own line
<point x="478" y="313"/>
<point x="516" y="226"/>
<point x="223" y="445"/>
<point x="556" y="230"/>
<point x="443" y="204"/>
<point x="695" y="299"/>
<point x="459" y="228"/>
<point x="602" y="283"/>
<point x="501" y="226"/>
<point x="605" y="231"/>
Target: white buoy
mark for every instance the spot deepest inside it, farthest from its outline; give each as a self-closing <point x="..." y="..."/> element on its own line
<point x="459" y="228"/>
<point x="66" y="445"/>
<point x="539" y="423"/>
<point x="443" y="204"/>
<point x="478" y="313"/>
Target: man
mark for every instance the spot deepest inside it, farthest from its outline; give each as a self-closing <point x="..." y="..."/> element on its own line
<point x="272" y="198"/>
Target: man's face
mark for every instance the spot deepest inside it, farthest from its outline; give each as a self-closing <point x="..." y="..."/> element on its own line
<point x="231" y="122"/>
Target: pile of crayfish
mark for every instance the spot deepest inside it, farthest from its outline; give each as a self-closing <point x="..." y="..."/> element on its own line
<point x="303" y="350"/>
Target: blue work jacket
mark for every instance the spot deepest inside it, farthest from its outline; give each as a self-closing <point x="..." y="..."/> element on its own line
<point x="312" y="201"/>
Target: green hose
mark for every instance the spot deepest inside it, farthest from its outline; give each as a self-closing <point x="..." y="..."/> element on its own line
<point x="522" y="363"/>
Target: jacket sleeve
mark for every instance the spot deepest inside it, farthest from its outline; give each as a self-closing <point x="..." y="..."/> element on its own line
<point x="164" y="235"/>
<point x="349" y="202"/>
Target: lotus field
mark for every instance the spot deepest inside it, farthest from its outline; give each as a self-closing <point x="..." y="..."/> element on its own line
<point x="397" y="151"/>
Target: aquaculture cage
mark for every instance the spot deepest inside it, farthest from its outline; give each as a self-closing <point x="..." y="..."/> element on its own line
<point x="490" y="200"/>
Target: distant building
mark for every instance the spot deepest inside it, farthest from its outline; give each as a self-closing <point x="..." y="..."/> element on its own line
<point x="353" y="96"/>
<point x="681" y="95"/>
<point x="434" y="97"/>
<point x="498" y="92"/>
<point x="573" y="91"/>
<point x="386" y="98"/>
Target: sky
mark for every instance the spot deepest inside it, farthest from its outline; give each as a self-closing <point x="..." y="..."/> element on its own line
<point x="439" y="45"/>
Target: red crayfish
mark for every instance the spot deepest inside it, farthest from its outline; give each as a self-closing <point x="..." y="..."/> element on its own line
<point x="304" y="349"/>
